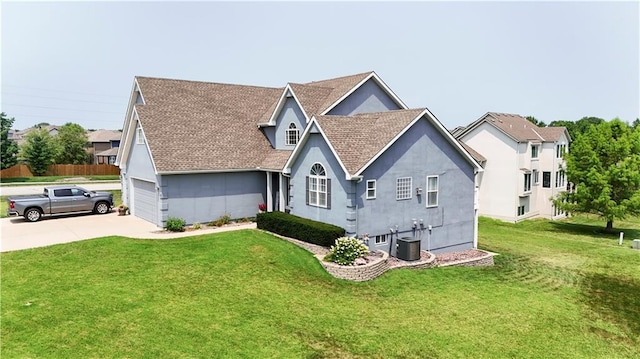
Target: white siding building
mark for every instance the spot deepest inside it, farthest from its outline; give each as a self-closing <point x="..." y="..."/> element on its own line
<point x="524" y="166"/>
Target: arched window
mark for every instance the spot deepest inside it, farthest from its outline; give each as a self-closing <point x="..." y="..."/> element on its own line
<point x="318" y="187"/>
<point x="292" y="134"/>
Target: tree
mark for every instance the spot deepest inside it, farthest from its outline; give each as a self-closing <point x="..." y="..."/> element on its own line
<point x="635" y="124"/>
<point x="8" y="147"/>
<point x="536" y="122"/>
<point x="604" y="165"/>
<point x="570" y="125"/>
<point x="583" y="124"/>
<point x="38" y="150"/>
<point x="71" y="142"/>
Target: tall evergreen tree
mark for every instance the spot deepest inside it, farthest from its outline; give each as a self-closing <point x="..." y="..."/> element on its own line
<point x="604" y="165"/>
<point x="38" y="151"/>
<point x="8" y="147"/>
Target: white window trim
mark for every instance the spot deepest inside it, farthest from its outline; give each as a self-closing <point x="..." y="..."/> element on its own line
<point x="437" y="191"/>
<point x="319" y="180"/>
<point x="140" y="136"/>
<point x="374" y="189"/>
<point x="537" y="152"/>
<point x="536" y="177"/>
<point x="384" y="241"/>
<point x="287" y="136"/>
<point x="527" y="190"/>
<point x="409" y="192"/>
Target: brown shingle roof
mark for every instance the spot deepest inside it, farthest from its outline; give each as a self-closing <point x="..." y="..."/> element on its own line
<point x="103" y="136"/>
<point x="275" y="160"/>
<point x="340" y="86"/>
<point x="551" y="133"/>
<point x="475" y="154"/>
<point x="515" y="126"/>
<point x="193" y="126"/>
<point x="351" y="136"/>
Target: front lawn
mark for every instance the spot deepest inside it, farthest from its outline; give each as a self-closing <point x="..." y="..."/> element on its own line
<point x="554" y="292"/>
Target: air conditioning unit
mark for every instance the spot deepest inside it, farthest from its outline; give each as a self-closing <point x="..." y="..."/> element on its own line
<point x="408" y="249"/>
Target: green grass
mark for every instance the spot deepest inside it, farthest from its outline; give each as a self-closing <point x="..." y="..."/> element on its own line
<point x="557" y="291"/>
<point x="38" y="179"/>
<point x="117" y="199"/>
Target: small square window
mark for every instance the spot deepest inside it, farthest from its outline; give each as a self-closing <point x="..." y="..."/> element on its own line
<point x="381" y="239"/>
<point x="371" y="189"/>
<point x="403" y="188"/>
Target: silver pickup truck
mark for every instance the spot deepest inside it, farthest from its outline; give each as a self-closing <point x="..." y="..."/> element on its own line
<point x="60" y="200"/>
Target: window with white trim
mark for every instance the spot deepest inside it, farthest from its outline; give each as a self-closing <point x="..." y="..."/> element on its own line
<point x="291" y="135"/>
<point x="432" y="191"/>
<point x="560" y="178"/>
<point x="560" y="150"/>
<point x="521" y="211"/>
<point x="403" y="188"/>
<point x="139" y="136"/>
<point x="534" y="151"/>
<point x="371" y="189"/>
<point x="527" y="182"/>
<point x="536" y="177"/>
<point x="318" y="187"/>
<point x="546" y="179"/>
<point x="381" y="239"/>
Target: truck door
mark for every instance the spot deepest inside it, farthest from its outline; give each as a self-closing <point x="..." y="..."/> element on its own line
<point x="62" y="201"/>
<point x="80" y="201"/>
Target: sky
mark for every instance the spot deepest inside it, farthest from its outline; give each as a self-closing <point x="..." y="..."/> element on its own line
<point x="76" y="61"/>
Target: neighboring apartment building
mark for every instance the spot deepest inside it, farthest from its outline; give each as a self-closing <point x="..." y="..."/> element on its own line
<point x="524" y="166"/>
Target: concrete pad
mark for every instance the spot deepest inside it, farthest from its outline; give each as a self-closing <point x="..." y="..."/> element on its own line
<point x="19" y="234"/>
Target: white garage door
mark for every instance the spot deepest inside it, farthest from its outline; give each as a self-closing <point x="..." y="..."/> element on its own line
<point x="144" y="200"/>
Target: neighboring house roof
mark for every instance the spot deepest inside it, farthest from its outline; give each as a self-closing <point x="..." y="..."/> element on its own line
<point x="349" y="137"/>
<point x="110" y="152"/>
<point x="201" y="126"/>
<point x="517" y="127"/>
<point x="103" y="136"/>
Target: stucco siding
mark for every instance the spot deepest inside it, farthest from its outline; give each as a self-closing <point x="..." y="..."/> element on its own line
<point x="367" y="98"/>
<point x="498" y="190"/>
<point x="206" y="197"/>
<point x="422" y="151"/>
<point x="291" y="113"/>
<point x="317" y="150"/>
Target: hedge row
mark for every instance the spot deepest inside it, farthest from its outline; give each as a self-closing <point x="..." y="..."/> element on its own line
<point x="304" y="229"/>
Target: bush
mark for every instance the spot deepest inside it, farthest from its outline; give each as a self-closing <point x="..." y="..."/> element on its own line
<point x="197" y="225"/>
<point x="346" y="250"/>
<point x="304" y="229"/>
<point x="224" y="219"/>
<point x="175" y="224"/>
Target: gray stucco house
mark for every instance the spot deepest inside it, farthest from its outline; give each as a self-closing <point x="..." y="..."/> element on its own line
<point x="345" y="151"/>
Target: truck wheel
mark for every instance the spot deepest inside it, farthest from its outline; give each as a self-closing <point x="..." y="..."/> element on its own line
<point x="101" y="208"/>
<point x="32" y="215"/>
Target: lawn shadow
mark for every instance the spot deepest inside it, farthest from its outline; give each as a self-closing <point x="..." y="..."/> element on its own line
<point x="595" y="231"/>
<point x="614" y="299"/>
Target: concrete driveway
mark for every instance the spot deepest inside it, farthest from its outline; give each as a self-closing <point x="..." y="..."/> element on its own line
<point x="19" y="234"/>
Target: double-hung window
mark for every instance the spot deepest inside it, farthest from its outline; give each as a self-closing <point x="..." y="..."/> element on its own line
<point x="536" y="177"/>
<point x="291" y="135"/>
<point x="371" y="189"/>
<point x="527" y="182"/>
<point x="432" y="191"/>
<point x="534" y="151"/>
<point x="403" y="188"/>
<point x="560" y="178"/>
<point x="560" y="149"/>
<point x="318" y="187"/>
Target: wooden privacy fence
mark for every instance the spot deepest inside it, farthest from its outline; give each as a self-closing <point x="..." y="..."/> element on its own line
<point x="63" y="170"/>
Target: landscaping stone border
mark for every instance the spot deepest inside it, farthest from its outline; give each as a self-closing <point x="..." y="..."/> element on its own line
<point x="377" y="267"/>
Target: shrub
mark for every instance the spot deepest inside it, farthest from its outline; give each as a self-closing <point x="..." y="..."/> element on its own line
<point x="224" y="219"/>
<point x="304" y="229"/>
<point x="197" y="225"/>
<point x="346" y="251"/>
<point x="175" y="224"/>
